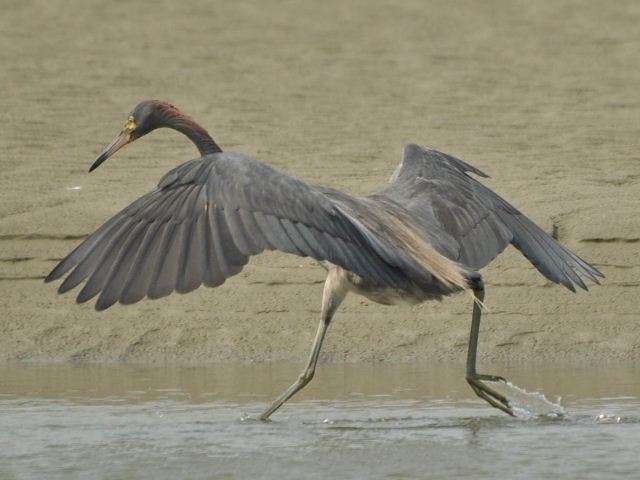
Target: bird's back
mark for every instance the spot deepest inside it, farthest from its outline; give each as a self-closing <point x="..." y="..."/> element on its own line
<point x="405" y="242"/>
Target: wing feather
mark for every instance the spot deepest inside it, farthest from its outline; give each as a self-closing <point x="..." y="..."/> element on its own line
<point x="242" y="239"/>
<point x="119" y="270"/>
<point x="166" y="269"/>
<point x="471" y="224"/>
<point x="275" y="233"/>
<point x="137" y="284"/>
<point x="213" y="274"/>
<point x="192" y="257"/>
<point x="96" y="281"/>
<point x="206" y="218"/>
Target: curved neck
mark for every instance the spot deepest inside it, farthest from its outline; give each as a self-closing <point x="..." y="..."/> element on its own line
<point x="198" y="135"/>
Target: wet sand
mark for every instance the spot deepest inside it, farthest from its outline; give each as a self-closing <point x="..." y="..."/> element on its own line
<point x="542" y="96"/>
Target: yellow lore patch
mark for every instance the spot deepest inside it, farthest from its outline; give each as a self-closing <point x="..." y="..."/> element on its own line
<point x="130" y="126"/>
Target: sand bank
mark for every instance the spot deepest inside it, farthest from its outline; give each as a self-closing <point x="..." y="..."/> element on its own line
<point x="541" y="96"/>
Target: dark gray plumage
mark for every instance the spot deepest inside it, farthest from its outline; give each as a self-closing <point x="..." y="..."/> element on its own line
<point x="422" y="237"/>
<point x="469" y="223"/>
<point x="201" y="225"/>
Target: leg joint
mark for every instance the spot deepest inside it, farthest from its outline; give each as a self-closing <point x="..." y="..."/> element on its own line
<point x="475" y="282"/>
<point x="307" y="376"/>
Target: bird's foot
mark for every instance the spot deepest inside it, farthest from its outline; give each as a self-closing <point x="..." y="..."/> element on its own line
<point x="495" y="399"/>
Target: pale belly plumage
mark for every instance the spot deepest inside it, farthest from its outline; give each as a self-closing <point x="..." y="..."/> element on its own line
<point x="386" y="296"/>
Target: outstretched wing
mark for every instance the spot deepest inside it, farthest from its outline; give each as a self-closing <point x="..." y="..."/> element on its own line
<point x="202" y="223"/>
<point x="471" y="224"/>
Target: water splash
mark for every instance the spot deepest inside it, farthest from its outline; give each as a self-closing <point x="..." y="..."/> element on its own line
<point x="527" y="404"/>
<point x="609" y="418"/>
<point x="246" y="417"/>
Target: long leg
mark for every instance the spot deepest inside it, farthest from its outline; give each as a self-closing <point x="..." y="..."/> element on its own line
<point x="476" y="380"/>
<point x="334" y="293"/>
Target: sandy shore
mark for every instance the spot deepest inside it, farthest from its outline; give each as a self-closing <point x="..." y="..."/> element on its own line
<point x="543" y="97"/>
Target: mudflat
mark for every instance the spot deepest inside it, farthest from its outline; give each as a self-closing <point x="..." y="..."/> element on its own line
<point x="542" y="96"/>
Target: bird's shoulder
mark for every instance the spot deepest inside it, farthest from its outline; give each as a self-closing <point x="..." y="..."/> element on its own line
<point x="428" y="163"/>
<point x="230" y="165"/>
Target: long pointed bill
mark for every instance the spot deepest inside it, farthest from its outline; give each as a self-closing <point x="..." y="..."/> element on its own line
<point x="120" y="141"/>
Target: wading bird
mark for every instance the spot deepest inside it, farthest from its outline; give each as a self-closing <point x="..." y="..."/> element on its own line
<point x="424" y="236"/>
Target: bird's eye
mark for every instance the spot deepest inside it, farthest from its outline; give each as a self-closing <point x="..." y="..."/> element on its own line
<point x="130" y="126"/>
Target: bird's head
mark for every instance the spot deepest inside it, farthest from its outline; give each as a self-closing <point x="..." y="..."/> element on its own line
<point x="145" y="117"/>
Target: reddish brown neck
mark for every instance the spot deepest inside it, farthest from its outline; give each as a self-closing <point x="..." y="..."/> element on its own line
<point x="172" y="118"/>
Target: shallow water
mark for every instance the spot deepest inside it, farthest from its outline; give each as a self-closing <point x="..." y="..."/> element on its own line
<point x="353" y="421"/>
